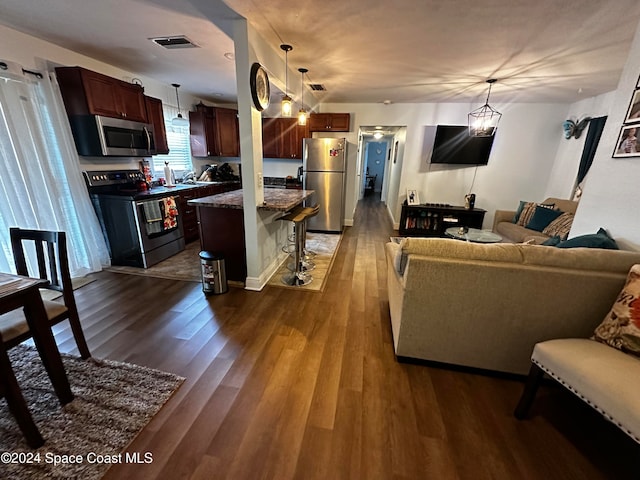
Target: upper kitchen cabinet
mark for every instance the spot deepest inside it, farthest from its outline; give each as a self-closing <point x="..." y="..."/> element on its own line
<point x="329" y="122"/>
<point x="156" y="118"/>
<point x="282" y="138"/>
<point x="90" y="93"/>
<point x="214" y="132"/>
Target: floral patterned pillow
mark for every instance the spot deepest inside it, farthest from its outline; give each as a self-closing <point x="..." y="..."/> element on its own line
<point x="621" y="327"/>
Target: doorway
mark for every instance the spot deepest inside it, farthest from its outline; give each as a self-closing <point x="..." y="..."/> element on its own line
<point x="375" y="153"/>
<point x="376" y="146"/>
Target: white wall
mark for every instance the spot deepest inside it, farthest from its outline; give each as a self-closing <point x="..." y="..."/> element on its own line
<point x="565" y="169"/>
<point x="395" y="173"/>
<point x="611" y="198"/>
<point x="520" y="165"/>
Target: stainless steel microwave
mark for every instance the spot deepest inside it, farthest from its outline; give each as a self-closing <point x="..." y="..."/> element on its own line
<point x="98" y="136"/>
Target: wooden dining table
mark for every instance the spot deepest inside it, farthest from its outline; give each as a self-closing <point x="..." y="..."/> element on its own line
<point x="24" y="292"/>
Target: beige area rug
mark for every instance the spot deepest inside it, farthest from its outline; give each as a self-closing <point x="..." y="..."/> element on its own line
<point x="183" y="266"/>
<point x="325" y="245"/>
<point x="112" y="402"/>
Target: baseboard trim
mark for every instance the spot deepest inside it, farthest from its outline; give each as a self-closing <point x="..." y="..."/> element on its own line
<point x="256" y="284"/>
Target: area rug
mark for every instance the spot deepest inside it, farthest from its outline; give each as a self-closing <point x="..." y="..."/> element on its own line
<point x="113" y="402"/>
<point x="183" y="266"/>
<point x="325" y="245"/>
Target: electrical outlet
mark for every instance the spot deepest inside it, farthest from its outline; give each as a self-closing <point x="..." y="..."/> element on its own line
<point x="260" y="183"/>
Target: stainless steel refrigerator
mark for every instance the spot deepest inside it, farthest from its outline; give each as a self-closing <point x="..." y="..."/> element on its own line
<point x="324" y="164"/>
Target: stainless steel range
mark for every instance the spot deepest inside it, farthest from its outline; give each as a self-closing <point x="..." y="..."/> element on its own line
<point x="142" y="225"/>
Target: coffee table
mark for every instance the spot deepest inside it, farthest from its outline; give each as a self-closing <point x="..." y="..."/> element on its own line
<point x="473" y="235"/>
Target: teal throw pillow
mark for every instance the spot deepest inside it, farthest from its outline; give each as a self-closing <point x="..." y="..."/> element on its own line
<point x="523" y="205"/>
<point x="542" y="217"/>
<point x="594" y="240"/>
<point x="519" y="211"/>
<point x="552" y="241"/>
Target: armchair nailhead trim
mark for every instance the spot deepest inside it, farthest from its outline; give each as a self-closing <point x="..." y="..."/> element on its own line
<point x="586" y="400"/>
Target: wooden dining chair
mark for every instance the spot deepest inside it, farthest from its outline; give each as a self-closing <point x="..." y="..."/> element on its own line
<point x="53" y="265"/>
<point x="10" y="390"/>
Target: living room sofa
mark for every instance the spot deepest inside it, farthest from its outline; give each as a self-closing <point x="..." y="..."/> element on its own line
<point x="486" y="306"/>
<point x="511" y="232"/>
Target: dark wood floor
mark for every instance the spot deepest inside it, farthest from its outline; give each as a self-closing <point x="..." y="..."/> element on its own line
<point x="284" y="384"/>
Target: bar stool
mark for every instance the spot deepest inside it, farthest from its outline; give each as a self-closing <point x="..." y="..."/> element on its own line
<point x="311" y="212"/>
<point x="298" y="276"/>
<point x="307" y="255"/>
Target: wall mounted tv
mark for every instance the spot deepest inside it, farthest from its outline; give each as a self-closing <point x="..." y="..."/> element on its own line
<point x="453" y="145"/>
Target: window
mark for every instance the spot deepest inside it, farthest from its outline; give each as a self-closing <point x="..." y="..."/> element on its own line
<point x="179" y="156"/>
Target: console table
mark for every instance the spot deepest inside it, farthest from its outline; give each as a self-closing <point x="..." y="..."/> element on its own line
<point x="432" y="220"/>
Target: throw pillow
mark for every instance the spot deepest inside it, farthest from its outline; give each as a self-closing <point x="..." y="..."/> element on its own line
<point x="621" y="327"/>
<point x="519" y="211"/>
<point x="528" y="210"/>
<point x="552" y="242"/>
<point x="542" y="217"/>
<point x="560" y="226"/>
<point x="594" y="240"/>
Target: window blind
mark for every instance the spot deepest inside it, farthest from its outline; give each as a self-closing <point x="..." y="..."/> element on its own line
<point x="179" y="156"/>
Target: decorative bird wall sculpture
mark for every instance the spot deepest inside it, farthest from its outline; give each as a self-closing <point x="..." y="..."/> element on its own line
<point x="573" y="129"/>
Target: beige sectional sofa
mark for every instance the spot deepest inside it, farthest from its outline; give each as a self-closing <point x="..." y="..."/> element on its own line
<point x="486" y="306"/>
<point x="511" y="232"/>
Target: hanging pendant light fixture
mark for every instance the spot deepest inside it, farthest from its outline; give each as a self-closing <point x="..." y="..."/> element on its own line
<point x="286" y="99"/>
<point x="179" y="120"/>
<point x="484" y="120"/>
<point x="302" y="114"/>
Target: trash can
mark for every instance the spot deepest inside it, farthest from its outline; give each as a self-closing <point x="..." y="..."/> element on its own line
<point x="214" y="277"/>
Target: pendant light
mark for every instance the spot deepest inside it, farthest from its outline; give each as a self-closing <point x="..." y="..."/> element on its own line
<point x="179" y="121"/>
<point x="302" y="114"/>
<point x="484" y="120"/>
<point x="286" y="99"/>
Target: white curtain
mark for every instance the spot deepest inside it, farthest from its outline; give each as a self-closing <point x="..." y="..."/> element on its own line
<point x="41" y="184"/>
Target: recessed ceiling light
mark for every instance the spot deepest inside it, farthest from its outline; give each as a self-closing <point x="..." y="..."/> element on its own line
<point x="229" y="56"/>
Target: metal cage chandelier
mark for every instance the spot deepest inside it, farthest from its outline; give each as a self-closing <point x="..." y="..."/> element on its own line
<point x="483" y="121"/>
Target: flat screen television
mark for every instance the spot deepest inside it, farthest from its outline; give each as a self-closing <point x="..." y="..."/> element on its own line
<point x="453" y="145"/>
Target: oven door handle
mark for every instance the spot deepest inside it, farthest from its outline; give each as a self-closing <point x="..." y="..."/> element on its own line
<point x="140" y="203"/>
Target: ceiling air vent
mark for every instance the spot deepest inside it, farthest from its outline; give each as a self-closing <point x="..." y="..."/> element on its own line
<point x="179" y="41"/>
<point x="317" y="87"/>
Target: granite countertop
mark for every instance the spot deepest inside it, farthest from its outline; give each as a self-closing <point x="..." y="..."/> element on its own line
<point x="275" y="199"/>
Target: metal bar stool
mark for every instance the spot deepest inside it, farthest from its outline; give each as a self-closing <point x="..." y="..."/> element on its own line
<point x="298" y="276"/>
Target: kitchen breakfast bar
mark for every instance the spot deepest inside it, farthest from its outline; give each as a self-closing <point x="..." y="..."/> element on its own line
<point x="221" y="223"/>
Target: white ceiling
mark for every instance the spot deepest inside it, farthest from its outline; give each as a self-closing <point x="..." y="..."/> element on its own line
<point x="360" y="50"/>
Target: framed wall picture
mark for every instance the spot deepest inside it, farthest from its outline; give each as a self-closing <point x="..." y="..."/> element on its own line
<point x="627" y="144"/>
<point x="412" y="197"/>
<point x="633" y="113"/>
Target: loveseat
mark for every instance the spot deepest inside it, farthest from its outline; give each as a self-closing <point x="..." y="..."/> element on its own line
<point x="504" y="225"/>
<point x="486" y="306"/>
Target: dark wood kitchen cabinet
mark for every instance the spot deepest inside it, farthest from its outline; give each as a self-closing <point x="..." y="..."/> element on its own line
<point x="90" y="93"/>
<point x="189" y="213"/>
<point x="214" y="132"/>
<point x="156" y="118"/>
<point x="329" y="122"/>
<point x="282" y="138"/>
